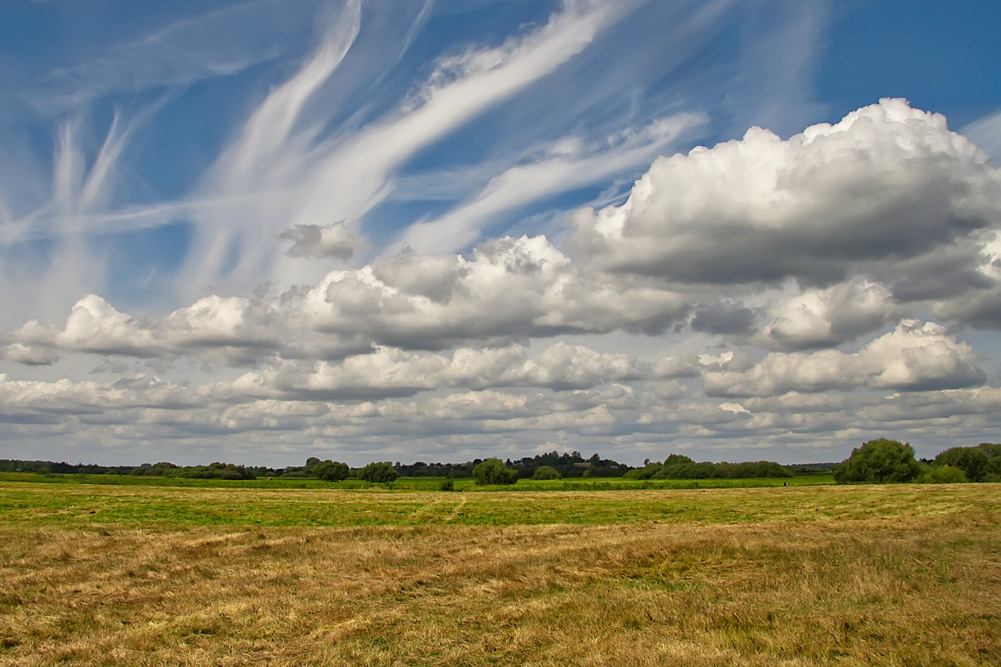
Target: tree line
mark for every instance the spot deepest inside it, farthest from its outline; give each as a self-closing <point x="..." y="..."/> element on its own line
<point x="876" y="461"/>
<point x="889" y="461"/>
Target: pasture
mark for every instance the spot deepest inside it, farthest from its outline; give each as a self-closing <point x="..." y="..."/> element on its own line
<point x="116" y="574"/>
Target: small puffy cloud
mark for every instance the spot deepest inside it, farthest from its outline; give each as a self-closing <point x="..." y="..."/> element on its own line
<point x="334" y="240"/>
<point x="886" y="184"/>
<point x="30" y="356"/>
<point x="913" y="357"/>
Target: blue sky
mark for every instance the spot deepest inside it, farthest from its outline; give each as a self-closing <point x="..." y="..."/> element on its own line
<point x="261" y="231"/>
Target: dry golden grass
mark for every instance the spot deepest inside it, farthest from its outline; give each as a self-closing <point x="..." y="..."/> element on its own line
<point x="918" y="584"/>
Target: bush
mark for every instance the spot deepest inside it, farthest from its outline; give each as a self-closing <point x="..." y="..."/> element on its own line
<point x="879" y="461"/>
<point x="979" y="464"/>
<point x="447" y="484"/>
<point x="331" y="471"/>
<point x="944" y="475"/>
<point x="379" y="473"/>
<point x="704" y="470"/>
<point x="493" y="471"/>
<point x="646" y="472"/>
<point x="546" y="472"/>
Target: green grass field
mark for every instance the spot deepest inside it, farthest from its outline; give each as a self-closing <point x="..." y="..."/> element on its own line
<point x="232" y="573"/>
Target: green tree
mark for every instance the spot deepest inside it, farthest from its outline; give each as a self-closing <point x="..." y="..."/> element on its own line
<point x="378" y="473"/>
<point x="331" y="471"/>
<point x="879" y="461"/>
<point x="493" y="471"/>
<point x="979" y="464"/>
<point x="944" y="475"/>
<point x="546" y="472"/>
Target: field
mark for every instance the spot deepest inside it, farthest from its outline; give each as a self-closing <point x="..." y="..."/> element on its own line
<point x="116" y="574"/>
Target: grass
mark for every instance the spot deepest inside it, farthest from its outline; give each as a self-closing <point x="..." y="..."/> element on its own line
<point x="149" y="575"/>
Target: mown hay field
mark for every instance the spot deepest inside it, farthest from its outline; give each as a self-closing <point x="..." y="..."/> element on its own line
<point x="133" y="575"/>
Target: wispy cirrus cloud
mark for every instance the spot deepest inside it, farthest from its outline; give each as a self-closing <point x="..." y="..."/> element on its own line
<point x="178" y="54"/>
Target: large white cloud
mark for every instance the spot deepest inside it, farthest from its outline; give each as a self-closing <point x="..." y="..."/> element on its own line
<point x="886" y="184"/>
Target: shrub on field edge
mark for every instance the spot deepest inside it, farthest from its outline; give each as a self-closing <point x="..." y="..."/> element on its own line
<point x="493" y="471"/>
<point x="547" y="472"/>
<point x="379" y="473"/>
<point x="331" y="471"/>
<point x="944" y="475"/>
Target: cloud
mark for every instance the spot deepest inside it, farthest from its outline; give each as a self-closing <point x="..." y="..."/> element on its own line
<point x="980" y="307"/>
<point x="829" y="317"/>
<point x="565" y="166"/>
<point x="304" y="388"/>
<point x="177" y="54"/>
<point x="283" y="170"/>
<point x="30" y="356"/>
<point x="509" y="289"/>
<point x="334" y="240"/>
<point x="913" y="357"/>
<point x="725" y="318"/>
<point x="885" y="185"/>
<point x="392" y="372"/>
<point x="985" y="132"/>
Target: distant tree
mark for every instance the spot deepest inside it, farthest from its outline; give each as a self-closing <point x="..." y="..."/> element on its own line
<point x="493" y="471"/>
<point x="546" y="472"/>
<point x="879" y="461"/>
<point x="331" y="471"/>
<point x="379" y="473"/>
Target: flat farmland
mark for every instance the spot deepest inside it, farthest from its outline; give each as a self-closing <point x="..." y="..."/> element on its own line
<point x="800" y="575"/>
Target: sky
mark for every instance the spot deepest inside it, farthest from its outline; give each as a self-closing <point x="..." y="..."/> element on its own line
<point x="259" y="231"/>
